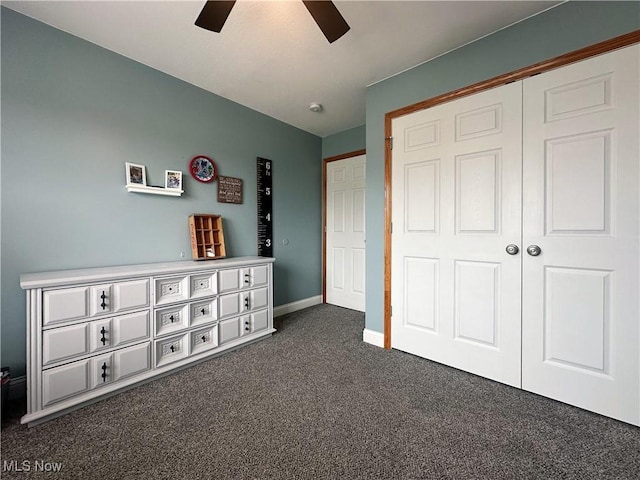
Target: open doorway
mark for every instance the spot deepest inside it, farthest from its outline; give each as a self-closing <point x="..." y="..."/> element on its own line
<point x="343" y="260"/>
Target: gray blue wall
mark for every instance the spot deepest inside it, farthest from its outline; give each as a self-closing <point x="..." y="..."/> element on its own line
<point x="571" y="26"/>
<point x="348" y="141"/>
<point x="74" y="113"/>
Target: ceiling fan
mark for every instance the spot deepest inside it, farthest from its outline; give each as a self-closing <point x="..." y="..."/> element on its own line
<point x="324" y="12"/>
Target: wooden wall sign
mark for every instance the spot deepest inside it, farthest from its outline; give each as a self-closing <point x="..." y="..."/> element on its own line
<point x="229" y="189"/>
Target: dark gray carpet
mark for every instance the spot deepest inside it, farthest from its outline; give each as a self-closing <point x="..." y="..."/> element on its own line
<point x="315" y="402"/>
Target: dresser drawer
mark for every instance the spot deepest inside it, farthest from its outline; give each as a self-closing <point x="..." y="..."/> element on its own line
<point x="242" y="278"/>
<point x="120" y="330"/>
<point x="204" y="339"/>
<point x="203" y="312"/>
<point x="203" y="285"/>
<point x="120" y="364"/>
<point x="255" y="276"/>
<point x="65" y="343"/>
<point x="171" y="319"/>
<point x="171" y="289"/>
<point x="233" y="304"/>
<point x="185" y="287"/>
<point x="82" y="376"/>
<point x="171" y="349"/>
<point x="76" y="303"/>
<point x="118" y="297"/>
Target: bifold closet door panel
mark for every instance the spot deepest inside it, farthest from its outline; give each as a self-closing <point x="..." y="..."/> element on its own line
<point x="581" y="208"/>
<point x="456" y="186"/>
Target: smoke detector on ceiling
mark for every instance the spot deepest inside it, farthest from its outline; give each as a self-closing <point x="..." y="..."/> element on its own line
<point x="315" y="107"/>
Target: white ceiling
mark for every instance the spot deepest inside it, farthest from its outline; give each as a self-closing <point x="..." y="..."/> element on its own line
<point x="271" y="56"/>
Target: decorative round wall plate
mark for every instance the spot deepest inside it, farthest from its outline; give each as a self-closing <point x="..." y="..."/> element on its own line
<point x="203" y="169"/>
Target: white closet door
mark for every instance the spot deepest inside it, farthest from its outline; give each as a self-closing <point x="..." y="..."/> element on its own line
<point x="456" y="186"/>
<point x="345" y="197"/>
<point x="581" y="184"/>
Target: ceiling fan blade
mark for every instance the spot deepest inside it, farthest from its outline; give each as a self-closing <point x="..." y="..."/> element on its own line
<point x="328" y="18"/>
<point x="214" y="14"/>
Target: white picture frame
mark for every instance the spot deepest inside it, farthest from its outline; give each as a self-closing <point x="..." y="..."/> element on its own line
<point x="173" y="179"/>
<point x="136" y="174"/>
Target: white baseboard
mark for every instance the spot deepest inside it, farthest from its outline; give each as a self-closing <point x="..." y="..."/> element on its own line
<point x="373" y="337"/>
<point x="295" y="306"/>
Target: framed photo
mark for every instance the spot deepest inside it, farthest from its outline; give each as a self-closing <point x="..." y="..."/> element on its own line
<point x="173" y="179"/>
<point x="136" y="174"/>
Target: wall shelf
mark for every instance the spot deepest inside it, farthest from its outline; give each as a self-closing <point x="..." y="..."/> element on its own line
<point x="172" y="192"/>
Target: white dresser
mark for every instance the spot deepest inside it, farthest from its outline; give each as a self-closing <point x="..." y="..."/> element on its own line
<point x="92" y="332"/>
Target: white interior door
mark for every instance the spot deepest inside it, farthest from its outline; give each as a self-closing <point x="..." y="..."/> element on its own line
<point x="456" y="186"/>
<point x="581" y="184"/>
<point x="345" y="241"/>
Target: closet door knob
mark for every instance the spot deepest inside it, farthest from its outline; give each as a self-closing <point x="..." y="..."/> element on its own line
<point x="512" y="249"/>
<point x="534" y="250"/>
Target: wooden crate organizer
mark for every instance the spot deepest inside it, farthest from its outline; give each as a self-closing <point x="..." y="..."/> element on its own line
<point x="207" y="237"/>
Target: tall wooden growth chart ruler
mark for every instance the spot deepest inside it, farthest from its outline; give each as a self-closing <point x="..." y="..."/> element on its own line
<point x="265" y="208"/>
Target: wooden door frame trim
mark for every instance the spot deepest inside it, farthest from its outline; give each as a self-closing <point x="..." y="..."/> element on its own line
<point x="513" y="76"/>
<point x="325" y="161"/>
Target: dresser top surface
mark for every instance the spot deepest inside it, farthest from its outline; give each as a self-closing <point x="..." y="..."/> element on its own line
<point x="99" y="274"/>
